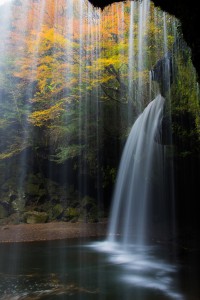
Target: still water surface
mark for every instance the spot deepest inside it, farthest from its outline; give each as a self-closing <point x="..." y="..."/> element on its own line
<point x="88" y="269"/>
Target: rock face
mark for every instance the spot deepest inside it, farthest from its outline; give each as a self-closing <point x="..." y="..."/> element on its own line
<point x="41" y="200"/>
<point x="188" y="14"/>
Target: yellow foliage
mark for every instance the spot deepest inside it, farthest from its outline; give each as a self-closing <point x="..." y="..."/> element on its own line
<point x="41" y="117"/>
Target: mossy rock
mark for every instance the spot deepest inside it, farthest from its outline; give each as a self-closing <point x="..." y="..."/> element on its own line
<point x="56" y="212"/>
<point x="71" y="214"/>
<point x="34" y="217"/>
<point x="3" y="211"/>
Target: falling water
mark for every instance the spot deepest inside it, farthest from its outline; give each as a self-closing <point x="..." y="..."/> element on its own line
<point x="139" y="199"/>
<point x="135" y="186"/>
<point x="141" y="210"/>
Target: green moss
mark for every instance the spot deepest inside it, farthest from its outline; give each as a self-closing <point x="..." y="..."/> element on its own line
<point x="33" y="217"/>
<point x="71" y="214"/>
<point x="56" y="212"/>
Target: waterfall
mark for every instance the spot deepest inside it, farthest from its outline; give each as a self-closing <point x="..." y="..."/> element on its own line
<point x="136" y="187"/>
<point x="143" y="195"/>
<point x="141" y="207"/>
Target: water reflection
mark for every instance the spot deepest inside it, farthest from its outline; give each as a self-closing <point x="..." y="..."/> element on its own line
<point x="142" y="267"/>
<point x="84" y="269"/>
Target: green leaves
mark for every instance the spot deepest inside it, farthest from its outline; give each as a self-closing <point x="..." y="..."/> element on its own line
<point x="68" y="152"/>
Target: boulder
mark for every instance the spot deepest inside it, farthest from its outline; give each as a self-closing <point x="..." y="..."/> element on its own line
<point x="34" y="217"/>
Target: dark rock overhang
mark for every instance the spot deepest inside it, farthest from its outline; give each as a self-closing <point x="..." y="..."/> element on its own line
<point x="187" y="13"/>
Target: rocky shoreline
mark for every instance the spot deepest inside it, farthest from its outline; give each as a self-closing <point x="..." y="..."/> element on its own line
<point x="51" y="231"/>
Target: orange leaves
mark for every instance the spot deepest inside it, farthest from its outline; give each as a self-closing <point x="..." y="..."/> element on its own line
<point x="47" y="61"/>
<point x="74" y="49"/>
<point x="113" y="21"/>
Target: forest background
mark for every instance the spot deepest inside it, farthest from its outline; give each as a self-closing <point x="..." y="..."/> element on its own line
<point x="70" y="89"/>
